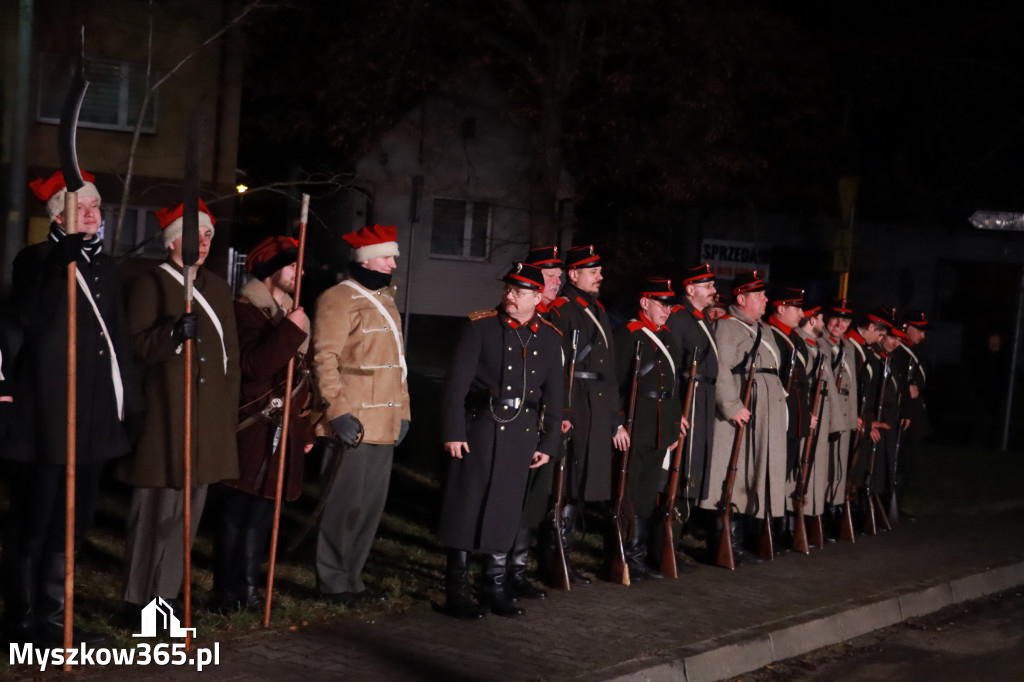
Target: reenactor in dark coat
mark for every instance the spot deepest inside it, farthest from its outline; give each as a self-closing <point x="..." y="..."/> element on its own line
<point x="505" y="365"/>
<point x="657" y="423"/>
<point x="269" y="335"/>
<point x="538" y="489"/>
<point x="787" y="312"/>
<point x="864" y="337"/>
<point x="108" y="407"/>
<point x="692" y="334"/>
<point x="910" y="371"/>
<point x="595" y="416"/>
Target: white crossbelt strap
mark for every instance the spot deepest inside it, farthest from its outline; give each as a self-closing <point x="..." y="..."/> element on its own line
<point x="764" y="345"/>
<point x="919" y="367"/>
<point x="205" y="305"/>
<point x="599" y="327"/>
<point x="1" y="366"/>
<point x="115" y="368"/>
<point x="390" y="320"/>
<point x="660" y="345"/>
<point x="704" y="328"/>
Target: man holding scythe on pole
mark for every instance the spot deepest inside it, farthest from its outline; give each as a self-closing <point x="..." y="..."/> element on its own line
<point x="160" y="329"/>
<point x="68" y="302"/>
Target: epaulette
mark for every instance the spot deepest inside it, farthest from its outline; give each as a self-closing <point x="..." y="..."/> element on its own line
<point x="557" y="330"/>
<point x="634" y="326"/>
<point x="677" y="307"/>
<point x="579" y="299"/>
<point x="727" y="316"/>
<point x="482" y="314"/>
<point x="559" y="302"/>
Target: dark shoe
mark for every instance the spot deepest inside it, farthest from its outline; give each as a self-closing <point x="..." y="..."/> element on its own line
<point x="578" y="577"/>
<point x="494" y="594"/>
<point x="458" y="603"/>
<point x="907" y="516"/>
<point x="371" y="597"/>
<point x="49" y="626"/>
<point x="636" y="553"/>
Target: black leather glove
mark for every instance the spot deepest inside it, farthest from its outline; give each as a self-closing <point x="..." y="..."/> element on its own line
<point x="185" y="328"/>
<point x="69" y="248"/>
<point x="347" y="428"/>
<point x="403" y="431"/>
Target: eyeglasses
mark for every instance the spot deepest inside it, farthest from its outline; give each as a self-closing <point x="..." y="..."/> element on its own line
<point x="517" y="292"/>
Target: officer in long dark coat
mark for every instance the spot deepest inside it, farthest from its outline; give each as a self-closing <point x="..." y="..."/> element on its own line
<point x="595" y="417"/>
<point x="656" y="416"/>
<point x="109" y="406"/>
<point x="692" y="334"/>
<point x="505" y="365"/>
<point x="863" y="337"/>
<point x="538" y="488"/>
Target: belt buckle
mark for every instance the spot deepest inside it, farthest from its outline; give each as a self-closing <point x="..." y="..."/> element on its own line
<point x="516" y="402"/>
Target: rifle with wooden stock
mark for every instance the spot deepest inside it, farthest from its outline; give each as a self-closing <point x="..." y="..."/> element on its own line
<point x="872" y="504"/>
<point x="668" y="551"/>
<point x="618" y="571"/>
<point x="800" y="543"/>
<point x="846" y="533"/>
<point x="725" y="558"/>
<point x="560" y="569"/>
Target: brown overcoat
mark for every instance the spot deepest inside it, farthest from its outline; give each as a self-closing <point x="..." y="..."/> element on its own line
<point x="266" y="341"/>
<point x="155" y="301"/>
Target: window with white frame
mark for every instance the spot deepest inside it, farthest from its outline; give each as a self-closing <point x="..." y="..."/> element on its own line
<point x="139" y="234"/>
<point x="461" y="229"/>
<point x="112" y="100"/>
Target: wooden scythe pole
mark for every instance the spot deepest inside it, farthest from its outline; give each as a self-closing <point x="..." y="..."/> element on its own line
<point x="74" y="182"/>
<point x="282" y="454"/>
<point x="189" y="258"/>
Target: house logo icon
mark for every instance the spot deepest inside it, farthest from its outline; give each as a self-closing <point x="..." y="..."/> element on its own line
<point x="158" y="616"/>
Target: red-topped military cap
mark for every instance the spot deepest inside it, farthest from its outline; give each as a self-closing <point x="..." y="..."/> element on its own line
<point x="747" y="283"/>
<point x="270" y="255"/>
<point x="787" y="296"/>
<point x="839" y="307"/>
<point x="719" y="302"/>
<point x="525" y="276"/>
<point x="660" y="289"/>
<point x="885" y="316"/>
<point x="544" y="257"/>
<point x="811" y="308"/>
<point x="916" y="318"/>
<point x="582" y="257"/>
<point x="698" y="275"/>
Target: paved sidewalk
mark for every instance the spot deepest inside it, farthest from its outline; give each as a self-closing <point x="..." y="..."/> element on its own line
<point x="709" y="624"/>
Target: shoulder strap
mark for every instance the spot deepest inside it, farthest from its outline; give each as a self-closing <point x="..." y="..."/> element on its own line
<point x="661" y="346"/>
<point x="205" y="305"/>
<point x="387" y="316"/>
<point x="115" y="368"/>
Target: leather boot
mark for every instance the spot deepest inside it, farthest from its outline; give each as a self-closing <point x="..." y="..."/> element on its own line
<point x="228" y="551"/>
<point x="518" y="586"/>
<point x="252" y="556"/>
<point x="636" y="553"/>
<point x="570" y="522"/>
<point x="494" y="595"/>
<point x="18" y="623"/>
<point x="49" y="627"/>
<point x="738" y="526"/>
<point x="458" y="603"/>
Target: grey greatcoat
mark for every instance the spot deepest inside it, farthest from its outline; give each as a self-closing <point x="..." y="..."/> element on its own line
<point x="595" y="413"/>
<point x="762" y="461"/>
<point x="844" y="415"/>
<point x="691" y="334"/>
<point x="495" y="362"/>
<point x="155" y="301"/>
<point x="818" y="476"/>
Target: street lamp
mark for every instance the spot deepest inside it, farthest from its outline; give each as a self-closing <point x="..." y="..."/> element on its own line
<point x="1007" y="222"/>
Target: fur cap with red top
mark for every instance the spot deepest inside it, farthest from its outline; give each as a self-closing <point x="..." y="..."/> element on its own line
<point x="270" y="255"/>
<point x="373" y="241"/>
<point x="171" y="221"/>
<point x="53" y="190"/>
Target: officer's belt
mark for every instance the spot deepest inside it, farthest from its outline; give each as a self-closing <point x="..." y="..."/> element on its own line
<point x="843" y="391"/>
<point x="705" y="379"/>
<point x="483" y="399"/>
<point x="596" y="376"/>
<point x="657" y="395"/>
<point x="759" y="370"/>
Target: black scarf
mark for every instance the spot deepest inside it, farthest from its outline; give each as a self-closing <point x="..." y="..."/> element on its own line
<point x="91" y="244"/>
<point x="371" y="279"/>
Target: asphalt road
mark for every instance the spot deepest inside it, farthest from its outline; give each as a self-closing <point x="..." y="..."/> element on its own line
<point x="981" y="640"/>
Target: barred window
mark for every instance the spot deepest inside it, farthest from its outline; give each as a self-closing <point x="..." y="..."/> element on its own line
<point x="112" y="100"/>
<point x="461" y="229"/>
<point x="140" y="234"/>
